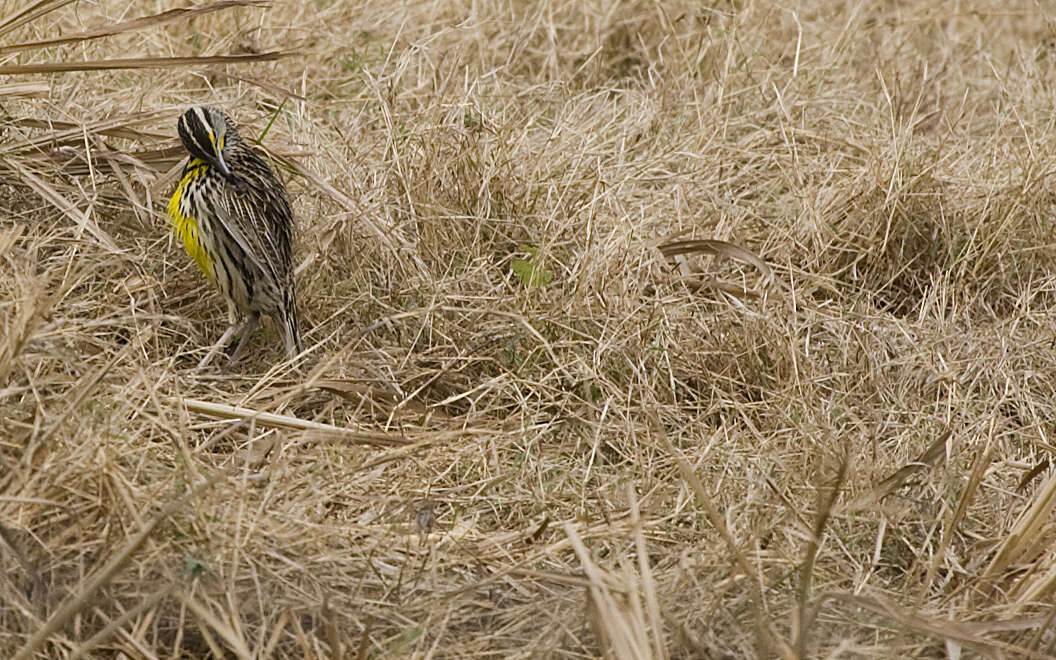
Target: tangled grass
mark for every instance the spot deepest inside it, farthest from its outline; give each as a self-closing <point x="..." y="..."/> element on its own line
<point x="637" y="330"/>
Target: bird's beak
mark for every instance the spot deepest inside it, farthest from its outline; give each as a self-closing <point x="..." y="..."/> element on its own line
<point x="221" y="164"/>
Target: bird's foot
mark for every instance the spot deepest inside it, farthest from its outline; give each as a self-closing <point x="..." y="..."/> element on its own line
<point x="216" y="348"/>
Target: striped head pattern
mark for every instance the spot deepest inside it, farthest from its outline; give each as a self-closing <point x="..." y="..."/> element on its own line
<point x="207" y="133"/>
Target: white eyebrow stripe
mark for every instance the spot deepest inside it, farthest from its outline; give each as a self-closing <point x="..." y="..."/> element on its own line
<point x="199" y="112"/>
<point x="206" y="146"/>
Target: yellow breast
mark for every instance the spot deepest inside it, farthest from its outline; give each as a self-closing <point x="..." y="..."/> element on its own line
<point x="184" y="223"/>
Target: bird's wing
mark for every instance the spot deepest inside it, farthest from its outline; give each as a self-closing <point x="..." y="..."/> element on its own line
<point x="257" y="214"/>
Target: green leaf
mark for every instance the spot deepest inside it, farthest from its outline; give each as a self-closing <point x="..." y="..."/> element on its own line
<point x="194" y="566"/>
<point x="352" y="63"/>
<point x="531" y="271"/>
<point x="272" y="121"/>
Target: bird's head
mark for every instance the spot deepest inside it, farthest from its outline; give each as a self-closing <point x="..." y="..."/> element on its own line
<point x="207" y="133"/>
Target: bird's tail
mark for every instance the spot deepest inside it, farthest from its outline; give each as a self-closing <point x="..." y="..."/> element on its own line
<point x="291" y="331"/>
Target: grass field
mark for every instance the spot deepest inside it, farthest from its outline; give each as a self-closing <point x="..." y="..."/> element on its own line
<point x="635" y="330"/>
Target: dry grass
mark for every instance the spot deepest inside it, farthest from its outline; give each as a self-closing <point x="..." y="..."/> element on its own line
<point x="520" y="430"/>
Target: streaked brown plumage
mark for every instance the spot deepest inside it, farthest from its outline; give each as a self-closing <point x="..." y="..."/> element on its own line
<point x="234" y="217"/>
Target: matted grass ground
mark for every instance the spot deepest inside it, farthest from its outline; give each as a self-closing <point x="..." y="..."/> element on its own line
<point x="520" y="429"/>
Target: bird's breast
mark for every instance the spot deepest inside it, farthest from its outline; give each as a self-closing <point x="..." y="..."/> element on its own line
<point x="188" y="215"/>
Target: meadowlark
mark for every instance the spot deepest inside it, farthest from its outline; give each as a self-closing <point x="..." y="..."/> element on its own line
<point x="233" y="215"/>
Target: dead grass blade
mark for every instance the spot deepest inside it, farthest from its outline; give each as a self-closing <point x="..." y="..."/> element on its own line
<point x="84" y="387"/>
<point x="767" y="632"/>
<point x="652" y="603"/>
<point x="933" y="456"/>
<point x="364" y="639"/>
<point x="359" y="390"/>
<point x="60" y="133"/>
<point x="967" y="634"/>
<point x="84" y="596"/>
<point x="83" y="219"/>
<point x="276" y="635"/>
<point x="288" y="422"/>
<point x="975" y="479"/>
<point x="807" y="614"/>
<point x="379" y="398"/>
<point x="132" y="25"/>
<point x="719" y="249"/>
<point x="8" y="237"/>
<point x="274" y="89"/>
<point x="113" y="626"/>
<point x="398" y="453"/>
<point x="716" y="248"/>
<point x="32" y="309"/>
<point x="1027" y="534"/>
<point x="391" y="237"/>
<point x="1029" y="476"/>
<point x="333" y="636"/>
<point x="205" y="616"/>
<point x="1034" y="589"/>
<point x="616" y="609"/>
<point x="29" y="569"/>
<point x="24" y="90"/>
<point x="142" y="63"/>
<point x="30" y="12"/>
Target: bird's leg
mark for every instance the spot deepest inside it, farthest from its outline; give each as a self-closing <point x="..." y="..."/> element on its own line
<point x="218" y="346"/>
<point x="247" y="330"/>
<point x="225" y="339"/>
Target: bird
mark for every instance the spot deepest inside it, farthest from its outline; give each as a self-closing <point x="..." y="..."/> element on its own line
<point x="233" y="215"/>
